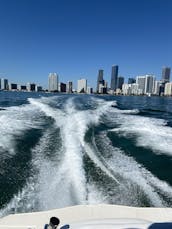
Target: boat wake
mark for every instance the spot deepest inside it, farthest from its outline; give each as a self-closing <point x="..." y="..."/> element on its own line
<point x="73" y="161"/>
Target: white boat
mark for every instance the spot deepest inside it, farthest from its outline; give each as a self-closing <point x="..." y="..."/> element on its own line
<point x="91" y="217"/>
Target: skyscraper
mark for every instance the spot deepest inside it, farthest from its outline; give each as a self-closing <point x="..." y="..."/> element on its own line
<point x="100" y="79"/>
<point x="168" y="89"/>
<point x="140" y="80"/>
<point x="82" y="86"/>
<point x="166" y="74"/>
<point x="120" y="82"/>
<point x="103" y="87"/>
<point x="53" y="82"/>
<point x="4" y="84"/>
<point x="131" y="80"/>
<point x="114" y="77"/>
<point x="69" y="87"/>
<point x="158" y="83"/>
<point x="149" y="84"/>
<point x="62" y="87"/>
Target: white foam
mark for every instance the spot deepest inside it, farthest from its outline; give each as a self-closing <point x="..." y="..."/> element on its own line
<point x="149" y="132"/>
<point x="23" y="201"/>
<point x="62" y="181"/>
<point x="103" y="166"/>
<point x="65" y="179"/>
<point x="55" y="113"/>
<point x="73" y="133"/>
<point x="128" y="168"/>
<point x="95" y="196"/>
<point x="13" y="122"/>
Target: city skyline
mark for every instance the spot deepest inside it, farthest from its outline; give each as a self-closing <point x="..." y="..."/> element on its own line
<point x="139" y="85"/>
<point x="75" y="38"/>
<point x="165" y="73"/>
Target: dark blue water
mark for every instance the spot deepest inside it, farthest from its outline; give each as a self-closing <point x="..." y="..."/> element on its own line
<point x="62" y="150"/>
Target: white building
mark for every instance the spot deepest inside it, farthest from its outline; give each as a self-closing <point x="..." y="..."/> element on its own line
<point x="110" y="91"/>
<point x="118" y="91"/>
<point x="140" y="80"/>
<point x="102" y="89"/>
<point x="126" y="89"/>
<point x="28" y="87"/>
<point x="146" y="84"/>
<point x="158" y="83"/>
<point x="82" y="86"/>
<point x="134" y="89"/>
<point x="53" y="82"/>
<point x="168" y="89"/>
<point x="3" y="84"/>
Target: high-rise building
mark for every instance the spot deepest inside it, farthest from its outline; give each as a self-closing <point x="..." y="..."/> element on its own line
<point x="69" y="87"/>
<point x="162" y="89"/>
<point x="120" y="82"/>
<point x="158" y="83"/>
<point x="149" y="84"/>
<point x="102" y="89"/>
<point x="13" y="86"/>
<point x="140" y="80"/>
<point x="131" y="80"/>
<point x="168" y="89"/>
<point x="53" y="82"/>
<point x="82" y="86"/>
<point x="62" y="87"/>
<point x="4" y="84"/>
<point x="166" y="74"/>
<point x="114" y="77"/>
<point x="134" y="89"/>
<point x="100" y="79"/>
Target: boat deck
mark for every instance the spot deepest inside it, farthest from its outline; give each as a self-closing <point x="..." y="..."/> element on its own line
<point x="90" y="217"/>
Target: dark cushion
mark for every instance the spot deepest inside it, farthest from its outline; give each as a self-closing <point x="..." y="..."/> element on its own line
<point x="160" y="226"/>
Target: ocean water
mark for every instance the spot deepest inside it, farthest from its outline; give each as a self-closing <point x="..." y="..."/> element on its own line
<point x="61" y="150"/>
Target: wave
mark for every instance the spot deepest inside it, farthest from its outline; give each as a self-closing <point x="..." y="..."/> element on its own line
<point x="74" y="125"/>
<point x="13" y="122"/>
<point x="149" y="132"/>
<point x="60" y="176"/>
<point x="64" y="179"/>
<point x="135" y="173"/>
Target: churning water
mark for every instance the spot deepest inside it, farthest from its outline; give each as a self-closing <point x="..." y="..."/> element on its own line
<point x="65" y="150"/>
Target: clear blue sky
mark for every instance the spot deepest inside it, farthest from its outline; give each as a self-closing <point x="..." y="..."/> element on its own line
<point x="75" y="38"/>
